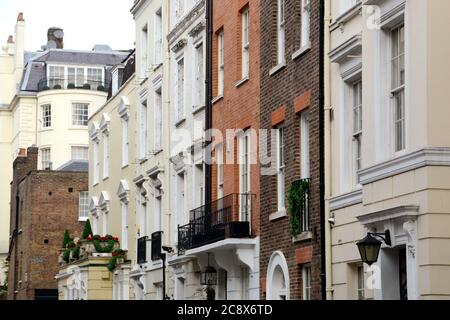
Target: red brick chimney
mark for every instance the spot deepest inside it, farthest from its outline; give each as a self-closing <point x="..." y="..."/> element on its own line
<point x="10" y="39"/>
<point x="25" y="162"/>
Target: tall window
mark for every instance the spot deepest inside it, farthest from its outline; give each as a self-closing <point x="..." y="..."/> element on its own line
<point x="199" y="77"/>
<point x="83" y="206"/>
<point x="245" y="176"/>
<point x="158" y="120"/>
<point x="46" y="159"/>
<point x="75" y="76"/>
<point x="281" y="166"/>
<point x="56" y="76"/>
<point x="220" y="63"/>
<point x="180" y="89"/>
<point x="80" y="153"/>
<point x="306" y="275"/>
<point x="96" y="163"/>
<point x="158" y="213"/>
<point x="105" y="155"/>
<point x="180" y="199"/>
<point x="361" y="295"/>
<point x="80" y="114"/>
<point x="144" y="130"/>
<point x="95" y="77"/>
<point x="158" y="37"/>
<point x="398" y="85"/>
<point x="280" y="31"/>
<point x="245" y="43"/>
<point x="144" y="52"/>
<point x="124" y="240"/>
<point x="304" y="144"/>
<point x="125" y="142"/>
<point x="357" y="126"/>
<point x="306" y="17"/>
<point x="46" y="116"/>
<point x="199" y="185"/>
<point x="219" y="162"/>
<point x="179" y="9"/>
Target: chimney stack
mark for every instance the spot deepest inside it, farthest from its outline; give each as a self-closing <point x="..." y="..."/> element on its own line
<point x="20" y="17"/>
<point x="55" y="38"/>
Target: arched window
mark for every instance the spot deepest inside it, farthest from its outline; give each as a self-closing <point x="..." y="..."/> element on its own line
<point x="277" y="277"/>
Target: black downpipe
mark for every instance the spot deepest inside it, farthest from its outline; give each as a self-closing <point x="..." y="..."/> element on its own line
<point x="208" y="104"/>
<point x="13" y="242"/>
<point x="322" y="144"/>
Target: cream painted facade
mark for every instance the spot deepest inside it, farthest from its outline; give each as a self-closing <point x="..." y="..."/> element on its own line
<point x="11" y="69"/>
<point x="151" y="183"/>
<point x="399" y="178"/>
<point x="112" y="131"/>
<point x="187" y="44"/>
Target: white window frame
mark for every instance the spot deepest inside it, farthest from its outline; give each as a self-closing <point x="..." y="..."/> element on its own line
<point x="125" y="142"/>
<point x="357" y="128"/>
<point x="345" y="5"/>
<point x="96" y="157"/>
<point x="158" y="38"/>
<point x="306" y="282"/>
<point x="304" y="145"/>
<point x="125" y="221"/>
<point x="158" y="223"/>
<point x="80" y="114"/>
<point x="305" y="24"/>
<point x="220" y="63"/>
<point x="245" y="16"/>
<point x="281" y="169"/>
<point x="77" y="150"/>
<point x="360" y="277"/>
<point x="181" y="73"/>
<point x="144" y="52"/>
<point x="143" y="143"/>
<point x="181" y="199"/>
<point x="158" y="124"/>
<point x="46" y="110"/>
<point x="46" y="158"/>
<point x="106" y="154"/>
<point x="219" y="162"/>
<point x="199" y="80"/>
<point x="280" y="31"/>
<point x="245" y="176"/>
<point x="398" y="89"/>
<point x="83" y="206"/>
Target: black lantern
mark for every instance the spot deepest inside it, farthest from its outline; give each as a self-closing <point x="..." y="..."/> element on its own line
<point x="209" y="276"/>
<point x="369" y="247"/>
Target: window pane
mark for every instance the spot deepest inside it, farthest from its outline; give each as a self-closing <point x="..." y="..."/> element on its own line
<point x="84" y="205"/>
<point x="80" y="153"/>
<point x="80" y="114"/>
<point x="46" y="116"/>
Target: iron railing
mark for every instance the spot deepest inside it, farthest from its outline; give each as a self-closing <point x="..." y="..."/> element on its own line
<point x="228" y="217"/>
<point x="303" y="214"/>
<point x="50" y="83"/>
<point x="142" y="250"/>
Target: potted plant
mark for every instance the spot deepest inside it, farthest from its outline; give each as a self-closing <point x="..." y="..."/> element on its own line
<point x="71" y="86"/>
<point x="100" y="88"/>
<point x="57" y="86"/>
<point x="87" y="86"/>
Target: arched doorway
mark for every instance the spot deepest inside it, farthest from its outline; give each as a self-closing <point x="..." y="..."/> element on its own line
<point x="277" y="278"/>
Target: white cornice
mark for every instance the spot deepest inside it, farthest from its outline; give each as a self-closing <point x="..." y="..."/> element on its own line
<point x="352" y="46"/>
<point x="186" y="22"/>
<point x="408" y="162"/>
<point x="400" y="212"/>
<point x="346" y="200"/>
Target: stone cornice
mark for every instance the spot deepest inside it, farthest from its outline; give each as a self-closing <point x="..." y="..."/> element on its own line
<point x="186" y="22"/>
<point x="346" y="200"/>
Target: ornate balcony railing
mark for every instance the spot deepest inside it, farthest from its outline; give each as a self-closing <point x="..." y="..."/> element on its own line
<point x="228" y="217"/>
<point x="50" y="83"/>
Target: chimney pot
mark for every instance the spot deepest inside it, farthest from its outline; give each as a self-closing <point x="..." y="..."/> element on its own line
<point x="10" y="39"/>
<point x="20" y="17"/>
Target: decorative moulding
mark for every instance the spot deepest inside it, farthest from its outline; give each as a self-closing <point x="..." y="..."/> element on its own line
<point x="179" y="45"/>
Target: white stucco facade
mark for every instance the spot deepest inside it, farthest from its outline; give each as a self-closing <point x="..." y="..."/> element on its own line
<point x="400" y="184"/>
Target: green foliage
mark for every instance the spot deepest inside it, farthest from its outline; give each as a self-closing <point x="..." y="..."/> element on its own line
<point x="210" y="293"/>
<point x="66" y="239"/>
<point x="66" y="256"/>
<point x="76" y="252"/>
<point x="71" y="86"/>
<point x="112" y="265"/>
<point x="296" y="202"/>
<point x="108" y="248"/>
<point x="87" y="86"/>
<point x="87" y="230"/>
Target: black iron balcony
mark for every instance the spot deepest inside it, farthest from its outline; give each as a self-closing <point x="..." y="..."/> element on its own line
<point x="142" y="250"/>
<point x="49" y="83"/>
<point x="222" y="219"/>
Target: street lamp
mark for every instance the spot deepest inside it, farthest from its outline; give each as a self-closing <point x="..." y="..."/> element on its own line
<point x="209" y="276"/>
<point x="369" y="247"/>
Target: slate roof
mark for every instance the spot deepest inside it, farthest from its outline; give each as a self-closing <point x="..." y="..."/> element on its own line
<point x="35" y="69"/>
<point x="75" y="166"/>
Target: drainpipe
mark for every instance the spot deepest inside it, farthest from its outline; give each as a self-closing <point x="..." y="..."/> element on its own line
<point x="13" y="242"/>
<point x="327" y="137"/>
<point x="322" y="148"/>
<point x="208" y="104"/>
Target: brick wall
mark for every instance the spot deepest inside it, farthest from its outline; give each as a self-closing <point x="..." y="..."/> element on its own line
<point x="239" y="108"/>
<point x="295" y="88"/>
<point x="48" y="205"/>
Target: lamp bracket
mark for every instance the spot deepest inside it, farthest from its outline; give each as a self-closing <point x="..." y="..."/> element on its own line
<point x="386" y="237"/>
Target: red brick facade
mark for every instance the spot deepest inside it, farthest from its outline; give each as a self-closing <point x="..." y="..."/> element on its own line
<point x="295" y="87"/>
<point x="239" y="107"/>
<point x="48" y="204"/>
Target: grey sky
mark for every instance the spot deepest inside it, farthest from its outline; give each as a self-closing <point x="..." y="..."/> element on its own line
<point x="85" y="22"/>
